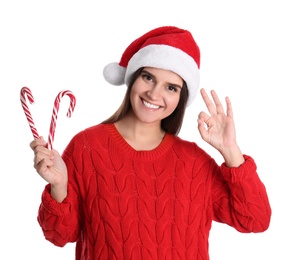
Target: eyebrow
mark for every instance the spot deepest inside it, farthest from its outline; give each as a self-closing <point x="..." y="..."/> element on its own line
<point x="151" y="75"/>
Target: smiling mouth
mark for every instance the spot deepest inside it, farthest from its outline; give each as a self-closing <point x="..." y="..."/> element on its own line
<point x="149" y="105"/>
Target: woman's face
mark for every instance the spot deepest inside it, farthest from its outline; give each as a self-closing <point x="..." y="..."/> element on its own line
<point x="155" y="94"/>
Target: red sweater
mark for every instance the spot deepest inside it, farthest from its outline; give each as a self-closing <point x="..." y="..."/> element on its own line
<point x="159" y="204"/>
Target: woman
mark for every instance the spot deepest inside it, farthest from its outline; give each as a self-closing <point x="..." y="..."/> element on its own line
<point x="129" y="187"/>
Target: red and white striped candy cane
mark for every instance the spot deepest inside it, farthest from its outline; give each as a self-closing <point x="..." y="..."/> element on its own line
<point x="27" y="92"/>
<point x="55" y="113"/>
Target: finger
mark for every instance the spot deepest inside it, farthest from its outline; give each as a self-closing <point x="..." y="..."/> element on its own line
<point x="42" y="150"/>
<point x="42" y="158"/>
<point x="229" y="107"/>
<point x="210" y="106"/>
<point x="202" y="129"/>
<point x="37" y="142"/>
<point x="204" y="117"/>
<point x="206" y="120"/>
<point x="42" y="153"/>
<point x="218" y="105"/>
<point x="43" y="166"/>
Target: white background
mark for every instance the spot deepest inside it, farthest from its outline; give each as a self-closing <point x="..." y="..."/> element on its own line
<point x="249" y="52"/>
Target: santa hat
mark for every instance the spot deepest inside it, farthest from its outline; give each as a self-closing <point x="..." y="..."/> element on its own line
<point x="166" y="47"/>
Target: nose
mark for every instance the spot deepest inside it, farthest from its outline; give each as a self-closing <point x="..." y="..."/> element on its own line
<point x="155" y="92"/>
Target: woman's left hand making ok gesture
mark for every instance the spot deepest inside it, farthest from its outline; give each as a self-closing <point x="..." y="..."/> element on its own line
<point x="218" y="129"/>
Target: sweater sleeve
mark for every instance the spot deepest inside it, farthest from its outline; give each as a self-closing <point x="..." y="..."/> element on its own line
<point x="61" y="222"/>
<point x="240" y="198"/>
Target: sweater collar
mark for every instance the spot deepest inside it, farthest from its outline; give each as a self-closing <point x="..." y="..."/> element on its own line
<point x="147" y="155"/>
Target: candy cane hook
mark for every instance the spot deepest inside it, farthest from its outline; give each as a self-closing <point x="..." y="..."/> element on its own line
<point x="27" y="92"/>
<point x="55" y="114"/>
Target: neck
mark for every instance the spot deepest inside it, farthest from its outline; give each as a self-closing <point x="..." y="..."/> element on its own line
<point x="140" y="135"/>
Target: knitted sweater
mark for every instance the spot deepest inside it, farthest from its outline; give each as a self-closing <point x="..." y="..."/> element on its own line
<point x="158" y="204"/>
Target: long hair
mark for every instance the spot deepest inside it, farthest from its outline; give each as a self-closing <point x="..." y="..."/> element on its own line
<point x="171" y="124"/>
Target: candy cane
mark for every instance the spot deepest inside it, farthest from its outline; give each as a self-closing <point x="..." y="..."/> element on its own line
<point x="27" y="92"/>
<point x="55" y="114"/>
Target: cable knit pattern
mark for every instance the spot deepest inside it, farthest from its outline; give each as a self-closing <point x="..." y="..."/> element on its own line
<point x="158" y="204"/>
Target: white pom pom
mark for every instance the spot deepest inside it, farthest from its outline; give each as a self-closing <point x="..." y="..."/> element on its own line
<point x="114" y="74"/>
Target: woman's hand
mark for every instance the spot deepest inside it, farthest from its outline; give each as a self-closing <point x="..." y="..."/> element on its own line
<point x="51" y="167"/>
<point x="218" y="128"/>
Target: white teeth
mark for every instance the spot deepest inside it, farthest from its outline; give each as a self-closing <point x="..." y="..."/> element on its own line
<point x="149" y="105"/>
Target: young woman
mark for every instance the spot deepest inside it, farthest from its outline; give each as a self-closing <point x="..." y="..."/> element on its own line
<point x="129" y="187"/>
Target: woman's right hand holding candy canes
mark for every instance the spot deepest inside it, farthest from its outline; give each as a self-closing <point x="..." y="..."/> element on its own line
<point x="47" y="161"/>
<point x="51" y="167"/>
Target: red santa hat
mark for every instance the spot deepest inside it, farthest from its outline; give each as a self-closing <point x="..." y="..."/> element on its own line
<point x="166" y="47"/>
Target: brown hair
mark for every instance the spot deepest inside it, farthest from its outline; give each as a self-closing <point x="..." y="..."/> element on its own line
<point x="171" y="124"/>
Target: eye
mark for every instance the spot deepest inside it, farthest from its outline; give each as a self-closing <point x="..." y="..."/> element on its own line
<point x="172" y="88"/>
<point x="146" y="77"/>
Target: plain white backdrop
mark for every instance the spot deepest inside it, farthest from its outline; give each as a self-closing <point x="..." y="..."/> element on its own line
<point x="249" y="52"/>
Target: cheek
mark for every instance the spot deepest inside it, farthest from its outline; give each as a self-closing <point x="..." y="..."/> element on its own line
<point x="133" y="92"/>
<point x="174" y="100"/>
<point x="134" y="96"/>
<point x="172" y="103"/>
<point x="135" y="89"/>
